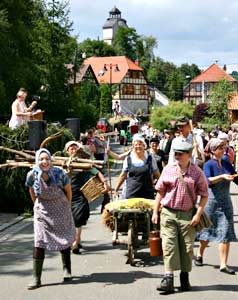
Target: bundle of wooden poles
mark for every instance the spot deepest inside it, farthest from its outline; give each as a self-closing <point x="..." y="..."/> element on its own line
<point x="26" y="159"/>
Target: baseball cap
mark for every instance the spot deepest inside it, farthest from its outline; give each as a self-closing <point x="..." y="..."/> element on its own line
<point x="182" y="146"/>
<point x="180" y="121"/>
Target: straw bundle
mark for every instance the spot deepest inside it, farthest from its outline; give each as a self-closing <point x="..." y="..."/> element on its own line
<point x="132" y="203"/>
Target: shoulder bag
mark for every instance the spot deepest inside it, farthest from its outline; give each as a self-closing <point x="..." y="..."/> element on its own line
<point x="205" y="221"/>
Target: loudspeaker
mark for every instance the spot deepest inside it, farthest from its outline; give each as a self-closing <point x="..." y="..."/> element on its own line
<point x="74" y="125"/>
<point x="37" y="133"/>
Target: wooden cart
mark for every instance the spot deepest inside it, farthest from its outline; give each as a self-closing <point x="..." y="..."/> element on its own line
<point x="131" y="227"/>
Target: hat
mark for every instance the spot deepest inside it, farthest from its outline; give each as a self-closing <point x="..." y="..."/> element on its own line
<point x="180" y="121"/>
<point x="70" y="143"/>
<point x="182" y="146"/>
<point x="222" y="135"/>
<point x="138" y="137"/>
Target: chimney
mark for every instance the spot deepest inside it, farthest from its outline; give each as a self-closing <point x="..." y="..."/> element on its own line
<point x="137" y="62"/>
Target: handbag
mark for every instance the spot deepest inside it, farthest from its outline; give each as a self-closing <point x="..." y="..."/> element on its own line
<point x="205" y="221"/>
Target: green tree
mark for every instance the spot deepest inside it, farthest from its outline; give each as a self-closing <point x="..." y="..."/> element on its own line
<point x="218" y="109"/>
<point x="16" y="52"/>
<point x="95" y="48"/>
<point x="125" y="42"/>
<point x="175" y="89"/>
<point x="162" y="116"/>
<point x="105" y="100"/>
<point x="159" y="73"/>
<point x="84" y="104"/>
<point x="145" y="51"/>
<point x="61" y="51"/>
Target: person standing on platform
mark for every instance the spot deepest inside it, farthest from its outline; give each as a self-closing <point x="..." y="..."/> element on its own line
<point x="20" y="112"/>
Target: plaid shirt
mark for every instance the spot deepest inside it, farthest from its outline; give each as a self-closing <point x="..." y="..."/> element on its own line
<point x="173" y="191"/>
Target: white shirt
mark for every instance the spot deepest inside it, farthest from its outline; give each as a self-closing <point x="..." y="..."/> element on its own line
<point x="189" y="139"/>
<point x="15" y="120"/>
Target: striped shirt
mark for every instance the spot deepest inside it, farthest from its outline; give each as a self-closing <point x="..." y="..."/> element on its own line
<point x="173" y="191"/>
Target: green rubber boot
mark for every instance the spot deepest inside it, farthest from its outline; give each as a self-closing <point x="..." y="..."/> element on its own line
<point x="37" y="270"/>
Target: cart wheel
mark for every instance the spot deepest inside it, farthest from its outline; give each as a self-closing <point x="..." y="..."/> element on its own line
<point x="130" y="259"/>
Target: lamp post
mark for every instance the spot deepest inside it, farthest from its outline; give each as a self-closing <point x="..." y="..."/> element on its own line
<point x="188" y="78"/>
<point x="104" y="70"/>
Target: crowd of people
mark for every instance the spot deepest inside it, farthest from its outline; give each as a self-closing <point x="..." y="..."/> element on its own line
<point x="181" y="169"/>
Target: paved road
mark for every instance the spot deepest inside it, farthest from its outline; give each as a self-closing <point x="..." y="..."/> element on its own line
<point x="100" y="271"/>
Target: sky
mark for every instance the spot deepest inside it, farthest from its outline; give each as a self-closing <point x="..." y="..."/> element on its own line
<point x="187" y="31"/>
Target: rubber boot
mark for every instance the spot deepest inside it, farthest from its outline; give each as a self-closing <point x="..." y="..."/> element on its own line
<point x="65" y="256"/>
<point x="167" y="284"/>
<point x="184" y="282"/>
<point x="37" y="270"/>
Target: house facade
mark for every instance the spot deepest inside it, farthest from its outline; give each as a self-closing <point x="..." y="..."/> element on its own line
<point x="233" y="108"/>
<point x="84" y="73"/>
<point x="132" y="91"/>
<point x="198" y="89"/>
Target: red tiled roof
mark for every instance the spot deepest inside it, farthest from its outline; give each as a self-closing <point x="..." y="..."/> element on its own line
<point x="233" y="102"/>
<point x="213" y="74"/>
<point x="124" y="64"/>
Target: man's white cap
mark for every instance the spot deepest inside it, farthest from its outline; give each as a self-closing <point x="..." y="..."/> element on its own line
<point x="223" y="135"/>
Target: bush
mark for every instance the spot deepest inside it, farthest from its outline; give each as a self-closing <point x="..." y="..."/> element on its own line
<point x="161" y="116"/>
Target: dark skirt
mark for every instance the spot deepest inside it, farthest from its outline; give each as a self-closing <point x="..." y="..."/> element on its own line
<point x="80" y="211"/>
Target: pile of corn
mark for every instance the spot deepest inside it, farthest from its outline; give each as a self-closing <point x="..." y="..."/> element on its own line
<point x="133" y="203"/>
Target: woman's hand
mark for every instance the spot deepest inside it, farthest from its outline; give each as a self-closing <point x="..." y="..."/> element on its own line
<point x="228" y="177"/>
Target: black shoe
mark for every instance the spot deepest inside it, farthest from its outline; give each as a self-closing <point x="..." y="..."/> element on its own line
<point x="228" y="270"/>
<point x="166" y="285"/>
<point x="80" y="246"/>
<point x="184" y="282"/>
<point x="198" y="261"/>
<point x="76" y="251"/>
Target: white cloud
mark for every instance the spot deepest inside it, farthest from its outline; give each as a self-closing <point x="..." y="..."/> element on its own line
<point x="186" y="30"/>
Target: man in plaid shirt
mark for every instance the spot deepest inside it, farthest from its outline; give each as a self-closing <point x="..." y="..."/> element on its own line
<point x="177" y="218"/>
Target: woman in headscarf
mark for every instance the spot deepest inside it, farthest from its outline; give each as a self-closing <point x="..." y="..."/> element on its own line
<point x="139" y="169"/>
<point x="79" y="205"/>
<point x="219" y="207"/>
<point x="54" y="230"/>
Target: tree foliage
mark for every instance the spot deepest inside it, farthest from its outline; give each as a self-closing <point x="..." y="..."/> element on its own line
<point x="162" y="116"/>
<point x="218" y="108"/>
<point x="125" y="42"/>
<point x="95" y="48"/>
<point x="105" y="100"/>
<point x="84" y="103"/>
